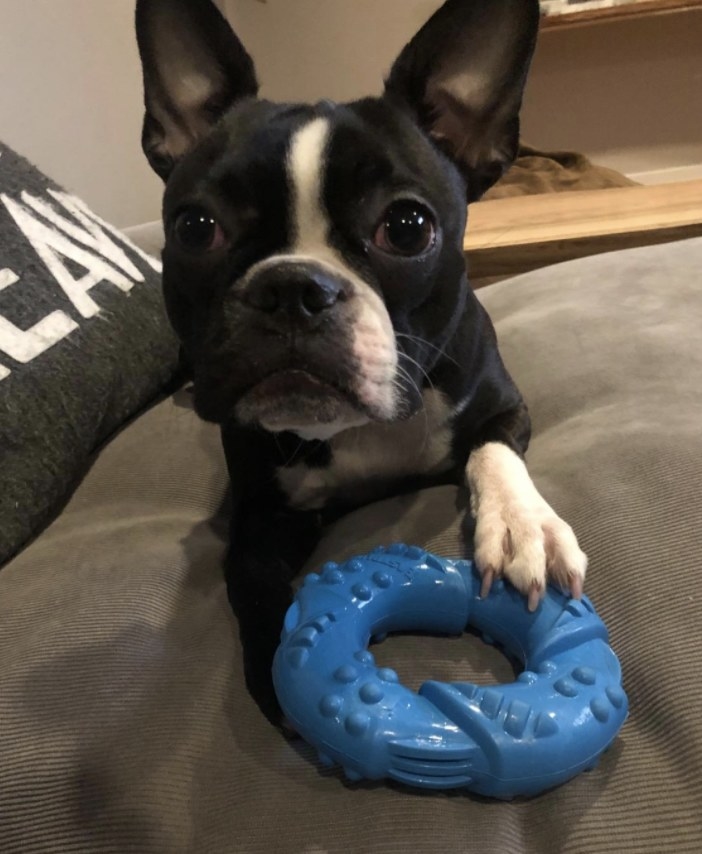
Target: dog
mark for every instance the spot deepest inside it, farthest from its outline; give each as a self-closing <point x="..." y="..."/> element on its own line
<point x="314" y="273"/>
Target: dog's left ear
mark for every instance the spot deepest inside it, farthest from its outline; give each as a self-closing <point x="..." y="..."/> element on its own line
<point x="463" y="77"/>
<point x="194" y="68"/>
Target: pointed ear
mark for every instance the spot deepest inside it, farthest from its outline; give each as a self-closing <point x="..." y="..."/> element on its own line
<point x="463" y="77"/>
<point x="194" y="69"/>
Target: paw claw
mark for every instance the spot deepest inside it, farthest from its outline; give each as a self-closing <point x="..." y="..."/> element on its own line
<point x="535" y="594"/>
<point x="576" y="586"/>
<point x="486" y="586"/>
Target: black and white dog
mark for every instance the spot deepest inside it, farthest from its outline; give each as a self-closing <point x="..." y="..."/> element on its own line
<point x="314" y="272"/>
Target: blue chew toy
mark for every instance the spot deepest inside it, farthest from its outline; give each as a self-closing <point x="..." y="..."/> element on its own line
<point x="521" y="738"/>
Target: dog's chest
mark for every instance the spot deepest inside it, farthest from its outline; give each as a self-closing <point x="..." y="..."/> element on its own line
<point x="364" y="460"/>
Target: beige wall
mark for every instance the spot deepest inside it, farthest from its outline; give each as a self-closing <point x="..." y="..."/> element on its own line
<point x="311" y="49"/>
<point x="629" y="94"/>
<point x="70" y="88"/>
<point x="70" y="93"/>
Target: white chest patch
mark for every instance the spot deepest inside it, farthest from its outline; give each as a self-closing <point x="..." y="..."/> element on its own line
<point x="364" y="458"/>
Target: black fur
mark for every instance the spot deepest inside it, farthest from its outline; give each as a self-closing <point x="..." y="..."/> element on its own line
<point x="423" y="140"/>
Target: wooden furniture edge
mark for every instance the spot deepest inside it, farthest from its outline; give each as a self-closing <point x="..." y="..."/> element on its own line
<point x="520" y="233"/>
<point x="551" y="23"/>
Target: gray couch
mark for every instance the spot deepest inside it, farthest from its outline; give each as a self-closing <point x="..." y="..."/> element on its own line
<point x="125" y="725"/>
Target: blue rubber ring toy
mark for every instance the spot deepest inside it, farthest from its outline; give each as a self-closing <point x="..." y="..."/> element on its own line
<point x="501" y="741"/>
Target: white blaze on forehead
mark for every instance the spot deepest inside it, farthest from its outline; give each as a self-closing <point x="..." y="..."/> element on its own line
<point x="373" y="345"/>
<point x="306" y="167"/>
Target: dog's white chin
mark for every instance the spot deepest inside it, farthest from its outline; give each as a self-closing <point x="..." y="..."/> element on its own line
<point x="312" y="416"/>
<point x="306" y="428"/>
<point x="321" y="432"/>
<point x="296" y="401"/>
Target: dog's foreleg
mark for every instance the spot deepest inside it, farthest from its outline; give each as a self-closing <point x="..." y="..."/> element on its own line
<point x="518" y="535"/>
<point x="267" y="550"/>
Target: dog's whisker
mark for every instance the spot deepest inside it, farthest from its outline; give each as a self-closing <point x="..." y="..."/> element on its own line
<point x="421" y="369"/>
<point x="424" y="343"/>
<point x="423" y="410"/>
<point x="293" y="456"/>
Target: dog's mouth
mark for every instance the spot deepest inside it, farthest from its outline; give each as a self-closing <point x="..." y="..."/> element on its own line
<point x="295" y="399"/>
<point x="293" y="382"/>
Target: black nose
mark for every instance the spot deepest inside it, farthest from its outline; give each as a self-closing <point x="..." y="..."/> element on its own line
<point x="295" y="291"/>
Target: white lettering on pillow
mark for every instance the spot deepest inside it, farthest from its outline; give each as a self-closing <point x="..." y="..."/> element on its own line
<point x="86" y="240"/>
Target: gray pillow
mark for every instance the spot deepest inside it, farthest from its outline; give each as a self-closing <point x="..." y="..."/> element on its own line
<point x="84" y="342"/>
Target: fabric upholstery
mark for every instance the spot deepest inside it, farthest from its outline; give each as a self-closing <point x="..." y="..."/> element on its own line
<point x="124" y="723"/>
<point x="84" y="343"/>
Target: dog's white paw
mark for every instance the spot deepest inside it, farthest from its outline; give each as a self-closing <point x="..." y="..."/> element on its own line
<point x="517" y="534"/>
<point x="530" y="545"/>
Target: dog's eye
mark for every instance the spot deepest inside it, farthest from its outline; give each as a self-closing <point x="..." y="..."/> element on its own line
<point x="407" y="228"/>
<point x="197" y="231"/>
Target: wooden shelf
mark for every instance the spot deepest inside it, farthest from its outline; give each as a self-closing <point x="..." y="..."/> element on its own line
<point x="510" y="236"/>
<point x="616" y="13"/>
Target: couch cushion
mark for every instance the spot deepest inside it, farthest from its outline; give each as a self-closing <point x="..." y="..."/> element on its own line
<point x="84" y="342"/>
<point x="124" y="723"/>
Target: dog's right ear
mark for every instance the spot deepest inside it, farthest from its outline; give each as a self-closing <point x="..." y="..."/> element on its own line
<point x="194" y="69"/>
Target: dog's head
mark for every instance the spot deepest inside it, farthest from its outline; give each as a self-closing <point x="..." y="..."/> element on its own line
<point x="313" y="265"/>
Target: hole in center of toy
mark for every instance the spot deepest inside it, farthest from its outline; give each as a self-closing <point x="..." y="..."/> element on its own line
<point x="417" y="658"/>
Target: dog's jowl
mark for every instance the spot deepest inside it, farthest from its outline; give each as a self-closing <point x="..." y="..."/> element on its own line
<point x="314" y="272"/>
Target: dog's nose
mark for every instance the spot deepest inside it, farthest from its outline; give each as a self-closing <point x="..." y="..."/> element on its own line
<point x="294" y="291"/>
